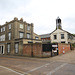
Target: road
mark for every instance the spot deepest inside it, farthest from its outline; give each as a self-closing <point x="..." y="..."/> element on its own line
<point x="58" y="65"/>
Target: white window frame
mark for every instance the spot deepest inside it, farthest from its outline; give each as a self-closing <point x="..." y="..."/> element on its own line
<point x="28" y="35"/>
<point x="16" y="47"/>
<point x="28" y="27"/>
<point x="3" y="28"/>
<point x="9" y="26"/>
<point x="21" y="26"/>
<point x="8" y="47"/>
<point x="3" y="37"/>
<point x="21" y="34"/>
<point x="9" y="36"/>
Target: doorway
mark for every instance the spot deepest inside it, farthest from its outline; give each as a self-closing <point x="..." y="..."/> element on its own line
<point x="2" y="49"/>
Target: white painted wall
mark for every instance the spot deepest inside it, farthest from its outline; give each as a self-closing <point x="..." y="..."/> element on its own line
<point x="58" y="32"/>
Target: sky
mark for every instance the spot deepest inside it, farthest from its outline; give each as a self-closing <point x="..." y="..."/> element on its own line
<point x="42" y="13"/>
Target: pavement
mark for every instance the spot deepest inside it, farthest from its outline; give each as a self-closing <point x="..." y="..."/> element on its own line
<point x="17" y="65"/>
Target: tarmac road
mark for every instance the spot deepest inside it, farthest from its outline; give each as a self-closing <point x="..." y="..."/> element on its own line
<point x="58" y="65"/>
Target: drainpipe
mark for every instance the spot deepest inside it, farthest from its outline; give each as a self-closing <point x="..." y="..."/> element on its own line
<point x="32" y="40"/>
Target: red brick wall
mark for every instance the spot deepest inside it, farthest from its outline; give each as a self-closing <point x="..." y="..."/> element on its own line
<point x="63" y="47"/>
<point x="35" y="48"/>
<point x="27" y="49"/>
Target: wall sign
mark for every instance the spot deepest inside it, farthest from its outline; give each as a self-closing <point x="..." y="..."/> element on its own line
<point x="54" y="46"/>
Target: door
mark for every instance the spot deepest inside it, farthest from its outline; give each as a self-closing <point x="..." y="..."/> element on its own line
<point x="2" y="49"/>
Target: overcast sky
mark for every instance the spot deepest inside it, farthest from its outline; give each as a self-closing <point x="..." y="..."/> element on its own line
<point x="42" y="13"/>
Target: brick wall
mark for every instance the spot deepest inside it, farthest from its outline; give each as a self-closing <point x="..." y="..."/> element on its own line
<point x="32" y="50"/>
<point x="27" y="50"/>
<point x="46" y="54"/>
<point x="63" y="48"/>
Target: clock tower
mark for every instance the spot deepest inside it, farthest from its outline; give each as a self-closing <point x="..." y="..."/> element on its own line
<point x="58" y="23"/>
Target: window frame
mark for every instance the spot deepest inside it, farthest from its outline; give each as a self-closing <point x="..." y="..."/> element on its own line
<point x="3" y="28"/>
<point x="9" y="26"/>
<point x="21" y="26"/>
<point x="36" y="38"/>
<point x="16" y="48"/>
<point x="9" y="36"/>
<point x="28" y="27"/>
<point x="20" y="34"/>
<point x="62" y="36"/>
<point x="8" y="48"/>
<point x="55" y="37"/>
<point x="28" y="35"/>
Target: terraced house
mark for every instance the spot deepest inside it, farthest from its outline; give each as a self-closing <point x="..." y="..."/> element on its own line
<point x="14" y="35"/>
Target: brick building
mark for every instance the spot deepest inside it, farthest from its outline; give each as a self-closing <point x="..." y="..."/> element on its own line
<point x="45" y="38"/>
<point x="14" y="35"/>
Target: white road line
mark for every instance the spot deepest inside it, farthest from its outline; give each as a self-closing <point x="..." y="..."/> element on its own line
<point x="11" y="70"/>
<point x="37" y="68"/>
<point x="50" y="73"/>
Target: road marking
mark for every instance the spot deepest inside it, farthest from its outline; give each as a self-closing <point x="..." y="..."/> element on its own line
<point x="56" y="69"/>
<point x="38" y="68"/>
<point x="11" y="70"/>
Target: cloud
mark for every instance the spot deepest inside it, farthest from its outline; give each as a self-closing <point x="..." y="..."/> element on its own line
<point x="69" y="24"/>
<point x="42" y="13"/>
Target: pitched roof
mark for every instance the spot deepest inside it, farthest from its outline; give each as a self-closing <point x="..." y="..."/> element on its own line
<point x="45" y="35"/>
<point x="48" y="35"/>
<point x="64" y="31"/>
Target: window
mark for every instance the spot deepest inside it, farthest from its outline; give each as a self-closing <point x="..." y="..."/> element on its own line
<point x="9" y="36"/>
<point x="62" y="41"/>
<point x="2" y="38"/>
<point x="3" y="28"/>
<point x="62" y="36"/>
<point x="21" y="26"/>
<point x="55" y="36"/>
<point x="9" y="26"/>
<point x="28" y="35"/>
<point x="36" y="38"/>
<point x="8" y="48"/>
<point x="16" y="47"/>
<point x="21" y="34"/>
<point x="28" y="27"/>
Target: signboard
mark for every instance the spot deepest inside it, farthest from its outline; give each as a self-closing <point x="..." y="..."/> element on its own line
<point x="55" y="51"/>
<point x="54" y="45"/>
